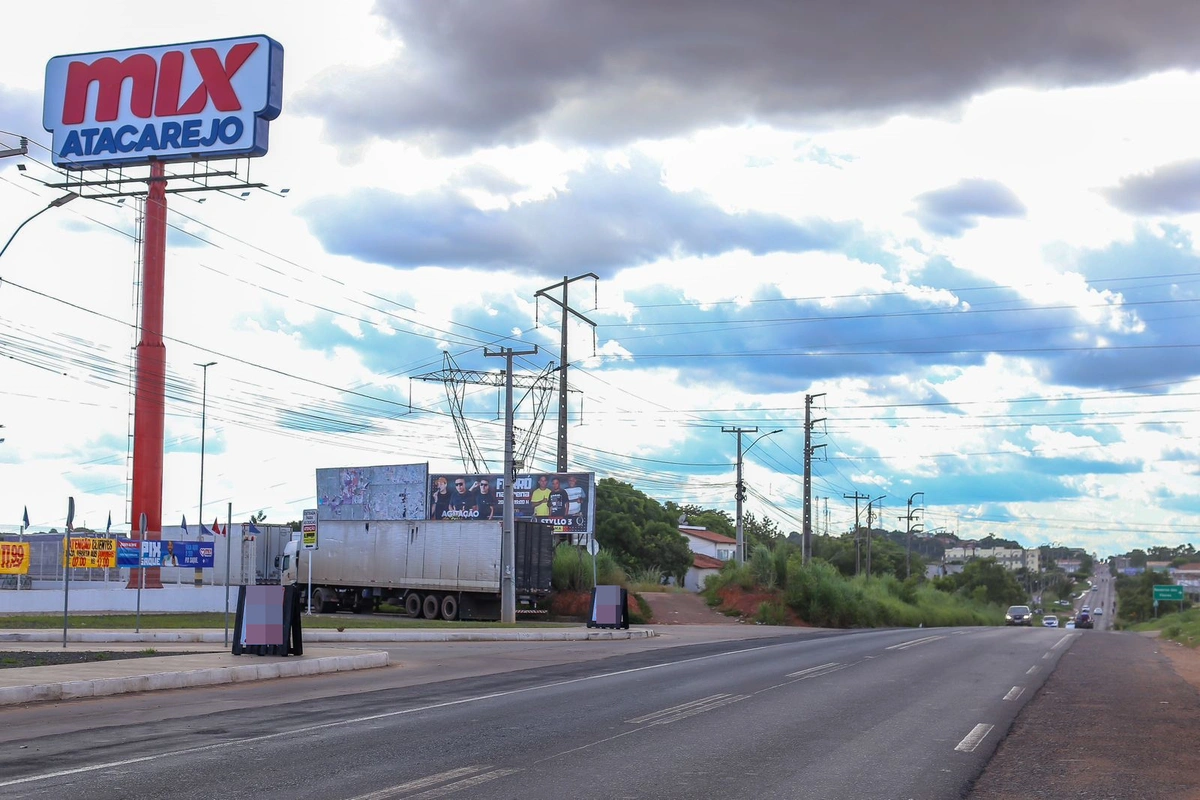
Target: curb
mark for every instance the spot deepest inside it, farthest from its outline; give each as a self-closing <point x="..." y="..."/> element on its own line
<point x="101" y="687"/>
<point x="317" y="636"/>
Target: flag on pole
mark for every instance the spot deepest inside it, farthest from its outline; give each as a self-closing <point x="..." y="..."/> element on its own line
<point x="217" y="528"/>
<point x="254" y="531"/>
<point x="108" y="527"/>
<point x="184" y="524"/>
<point x="25" y="520"/>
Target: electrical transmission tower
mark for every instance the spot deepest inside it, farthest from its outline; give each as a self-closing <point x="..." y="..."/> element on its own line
<point x="539" y="387"/>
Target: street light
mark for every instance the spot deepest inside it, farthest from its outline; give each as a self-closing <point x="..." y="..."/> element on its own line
<point x="908" y="535"/>
<point x="203" y="422"/>
<point x="55" y="203"/>
<point x="740" y="494"/>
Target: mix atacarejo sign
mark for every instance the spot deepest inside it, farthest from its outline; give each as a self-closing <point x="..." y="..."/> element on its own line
<point x="209" y="99"/>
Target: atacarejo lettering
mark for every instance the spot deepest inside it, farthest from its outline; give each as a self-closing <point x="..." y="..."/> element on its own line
<point x="152" y="138"/>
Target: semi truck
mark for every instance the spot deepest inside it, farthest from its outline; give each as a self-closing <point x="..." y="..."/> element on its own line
<point x="437" y="569"/>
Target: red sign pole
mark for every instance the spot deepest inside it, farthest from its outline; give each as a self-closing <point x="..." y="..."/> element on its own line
<point x="150" y="382"/>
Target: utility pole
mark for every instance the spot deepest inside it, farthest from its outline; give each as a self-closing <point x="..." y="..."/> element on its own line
<point x="857" y="548"/>
<point x="908" y="533"/>
<point x="562" y="374"/>
<point x="808" y="451"/>
<point x="740" y="491"/>
<point x="508" y="547"/>
<point x="870" y="524"/>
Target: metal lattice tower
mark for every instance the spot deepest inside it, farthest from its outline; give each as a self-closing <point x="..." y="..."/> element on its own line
<point x="538" y="387"/>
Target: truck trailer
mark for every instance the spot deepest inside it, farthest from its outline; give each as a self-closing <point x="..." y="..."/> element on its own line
<point x="438" y="569"/>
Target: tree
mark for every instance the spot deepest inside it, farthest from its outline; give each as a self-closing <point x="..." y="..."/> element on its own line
<point x="986" y="580"/>
<point x="258" y="518"/>
<point x="638" y="531"/>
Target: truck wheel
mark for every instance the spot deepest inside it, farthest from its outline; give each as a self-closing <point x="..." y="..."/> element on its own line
<point x="323" y="603"/>
<point x="449" y="607"/>
<point x="412" y="605"/>
<point x="431" y="606"/>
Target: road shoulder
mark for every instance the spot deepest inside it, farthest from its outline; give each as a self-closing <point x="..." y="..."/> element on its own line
<point x="1114" y="720"/>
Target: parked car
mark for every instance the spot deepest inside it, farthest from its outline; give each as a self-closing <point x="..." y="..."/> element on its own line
<point x="1050" y="621"/>
<point x="1018" y="615"/>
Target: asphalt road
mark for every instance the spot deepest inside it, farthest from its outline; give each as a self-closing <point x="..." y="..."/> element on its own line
<point x="865" y="714"/>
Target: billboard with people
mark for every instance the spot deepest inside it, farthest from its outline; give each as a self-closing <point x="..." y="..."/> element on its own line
<point x="565" y="500"/>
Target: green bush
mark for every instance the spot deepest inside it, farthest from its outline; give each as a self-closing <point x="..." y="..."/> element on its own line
<point x="762" y="567"/>
<point x="771" y="614"/>
<point x="608" y="571"/>
<point x="571" y="570"/>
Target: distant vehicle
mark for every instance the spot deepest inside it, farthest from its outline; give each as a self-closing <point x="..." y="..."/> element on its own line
<point x="1050" y="621"/>
<point x="1070" y="624"/>
<point x="1083" y="620"/>
<point x="1018" y="615"/>
<point x="1098" y="612"/>
<point x="1063" y="603"/>
<point x="1085" y="608"/>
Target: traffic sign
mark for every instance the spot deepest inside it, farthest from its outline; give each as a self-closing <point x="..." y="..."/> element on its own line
<point x="308" y="529"/>
<point x="1168" y="592"/>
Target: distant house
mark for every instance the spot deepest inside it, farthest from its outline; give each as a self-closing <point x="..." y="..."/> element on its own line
<point x="710" y="551"/>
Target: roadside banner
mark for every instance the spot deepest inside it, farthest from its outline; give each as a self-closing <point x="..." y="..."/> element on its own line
<point x="92" y="553"/>
<point x="565" y="500"/>
<point x="14" y="558"/>
<point x="197" y="555"/>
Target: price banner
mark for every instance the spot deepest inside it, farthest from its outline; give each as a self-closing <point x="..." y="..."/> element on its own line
<point x="91" y="553"/>
<point x="14" y="558"/>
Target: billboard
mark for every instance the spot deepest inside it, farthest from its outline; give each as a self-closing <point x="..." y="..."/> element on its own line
<point x="211" y="99"/>
<point x="565" y="500"/>
<point x="372" y="493"/>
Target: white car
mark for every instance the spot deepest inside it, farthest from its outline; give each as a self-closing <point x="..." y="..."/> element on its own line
<point x="1087" y="609"/>
<point x="1098" y="612"/>
<point x="1070" y="624"/>
<point x="1050" y="621"/>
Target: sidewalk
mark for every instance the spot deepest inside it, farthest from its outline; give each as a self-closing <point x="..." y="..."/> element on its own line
<point x="118" y="676"/>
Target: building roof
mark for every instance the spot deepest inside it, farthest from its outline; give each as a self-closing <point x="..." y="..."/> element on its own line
<point x="1193" y="567"/>
<point x="701" y="533"/>
<point x="701" y="561"/>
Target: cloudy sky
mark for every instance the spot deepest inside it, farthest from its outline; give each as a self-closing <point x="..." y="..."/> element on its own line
<point x="968" y="227"/>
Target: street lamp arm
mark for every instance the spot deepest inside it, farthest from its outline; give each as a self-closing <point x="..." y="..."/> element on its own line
<point x="55" y="203"/>
<point x="760" y="438"/>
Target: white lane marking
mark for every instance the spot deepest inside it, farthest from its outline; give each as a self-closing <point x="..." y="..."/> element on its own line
<point x="914" y="643"/>
<point x="810" y="670"/>
<point x="733" y="698"/>
<point x="1014" y="693"/>
<point x="1062" y="641"/>
<point x="1031" y="670"/>
<point x="356" y="720"/>
<point x="465" y="783"/>
<point x="677" y="709"/>
<point x="419" y="783"/>
<point x="972" y="739"/>
<point x="1047" y="655"/>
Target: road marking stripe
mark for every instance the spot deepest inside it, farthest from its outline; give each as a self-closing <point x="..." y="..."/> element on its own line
<point x="266" y="737"/>
<point x="676" y="709"/>
<point x="465" y="783"/>
<point x="419" y="783"/>
<point x="1031" y="670"/>
<point x="1014" y="693"/>
<point x="811" y="669"/>
<point x="972" y="739"/>
<point x="691" y="712"/>
<point x="1062" y="641"/>
<point x="914" y="643"/>
<point x="1047" y="655"/>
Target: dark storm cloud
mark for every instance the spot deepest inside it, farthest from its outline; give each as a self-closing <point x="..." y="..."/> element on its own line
<point x="1170" y="189"/>
<point x="958" y="208"/>
<point x="604" y="220"/>
<point x="609" y="71"/>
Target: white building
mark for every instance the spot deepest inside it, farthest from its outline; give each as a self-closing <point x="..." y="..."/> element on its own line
<point x="710" y="551"/>
<point x="1011" y="558"/>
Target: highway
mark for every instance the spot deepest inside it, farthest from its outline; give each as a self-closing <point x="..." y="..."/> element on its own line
<point x="857" y="714"/>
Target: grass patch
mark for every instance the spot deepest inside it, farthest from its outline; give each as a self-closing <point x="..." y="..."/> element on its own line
<point x="216" y="619"/>
<point x="1178" y="627"/>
